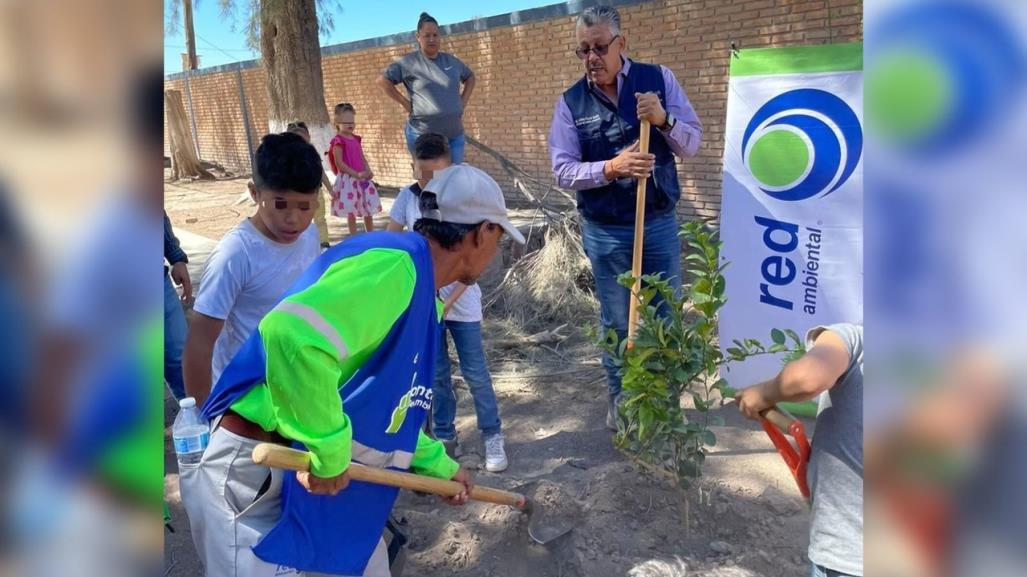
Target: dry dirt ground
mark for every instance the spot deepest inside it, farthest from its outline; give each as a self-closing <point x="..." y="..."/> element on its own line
<point x="743" y="518"/>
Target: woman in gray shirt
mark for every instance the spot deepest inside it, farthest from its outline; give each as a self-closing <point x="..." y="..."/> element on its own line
<point x="433" y="79"/>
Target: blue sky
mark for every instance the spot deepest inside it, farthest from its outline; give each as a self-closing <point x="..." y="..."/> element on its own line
<point x="217" y="43"/>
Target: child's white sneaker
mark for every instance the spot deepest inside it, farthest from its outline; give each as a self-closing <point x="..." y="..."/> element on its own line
<point x="495" y="454"/>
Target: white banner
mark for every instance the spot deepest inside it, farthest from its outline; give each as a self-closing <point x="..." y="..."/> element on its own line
<point x="792" y="207"/>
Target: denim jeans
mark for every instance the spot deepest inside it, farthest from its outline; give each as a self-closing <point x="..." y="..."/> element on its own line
<point x="609" y="248"/>
<point x="456" y="145"/>
<point x="174" y="339"/>
<point x="819" y="571"/>
<point x="467" y="339"/>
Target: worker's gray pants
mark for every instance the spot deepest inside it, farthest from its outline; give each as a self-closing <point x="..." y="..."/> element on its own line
<point x="228" y="517"/>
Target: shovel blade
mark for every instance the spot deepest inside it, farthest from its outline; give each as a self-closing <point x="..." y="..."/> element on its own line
<point x="552" y="513"/>
<point x="544" y="532"/>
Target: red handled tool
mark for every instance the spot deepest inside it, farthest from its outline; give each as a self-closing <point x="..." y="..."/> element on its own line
<point x="778" y="423"/>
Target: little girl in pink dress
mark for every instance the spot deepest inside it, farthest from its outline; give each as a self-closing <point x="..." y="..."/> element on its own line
<point x="353" y="194"/>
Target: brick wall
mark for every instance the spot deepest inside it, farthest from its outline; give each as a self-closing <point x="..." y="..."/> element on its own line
<point x="522" y="69"/>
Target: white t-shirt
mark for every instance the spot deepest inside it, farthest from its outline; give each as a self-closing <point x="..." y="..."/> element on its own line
<point x="244" y="278"/>
<point x="467" y="308"/>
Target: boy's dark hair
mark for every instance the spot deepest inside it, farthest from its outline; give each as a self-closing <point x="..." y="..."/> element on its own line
<point x="430" y="146"/>
<point x="345" y="107"/>
<point x="297" y="126"/>
<point x="285" y="162"/>
<point x="425" y="19"/>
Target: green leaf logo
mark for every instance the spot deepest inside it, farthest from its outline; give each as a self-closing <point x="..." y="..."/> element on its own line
<point x="399" y="414"/>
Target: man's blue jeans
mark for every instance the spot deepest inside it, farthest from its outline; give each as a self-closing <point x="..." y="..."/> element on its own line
<point x="467" y="339"/>
<point x="456" y="145"/>
<point x="174" y="339"/>
<point x="609" y="248"/>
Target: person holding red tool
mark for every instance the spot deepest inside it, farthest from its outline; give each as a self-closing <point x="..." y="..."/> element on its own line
<point x="833" y="365"/>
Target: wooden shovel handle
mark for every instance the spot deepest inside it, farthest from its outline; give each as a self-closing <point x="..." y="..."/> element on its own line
<point x="636" y="256"/>
<point x="280" y="457"/>
<point x="779" y="418"/>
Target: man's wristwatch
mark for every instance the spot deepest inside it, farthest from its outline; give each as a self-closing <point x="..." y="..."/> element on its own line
<point x="668" y="124"/>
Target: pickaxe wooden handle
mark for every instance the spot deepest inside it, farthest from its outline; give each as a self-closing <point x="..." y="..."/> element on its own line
<point x="280" y="457"/>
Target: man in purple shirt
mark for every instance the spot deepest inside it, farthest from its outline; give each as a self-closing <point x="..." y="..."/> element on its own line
<point x="593" y="144"/>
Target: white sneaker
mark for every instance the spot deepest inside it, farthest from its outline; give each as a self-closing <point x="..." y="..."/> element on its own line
<point x="495" y="454"/>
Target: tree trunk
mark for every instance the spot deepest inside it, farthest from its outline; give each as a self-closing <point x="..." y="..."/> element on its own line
<point x="291" y="54"/>
<point x="190" y="35"/>
<point x="184" y="163"/>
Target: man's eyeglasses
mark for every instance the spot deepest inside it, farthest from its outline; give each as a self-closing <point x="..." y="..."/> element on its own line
<point x="599" y="49"/>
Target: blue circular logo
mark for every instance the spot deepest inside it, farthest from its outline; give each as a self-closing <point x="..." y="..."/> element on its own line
<point x="802" y="143"/>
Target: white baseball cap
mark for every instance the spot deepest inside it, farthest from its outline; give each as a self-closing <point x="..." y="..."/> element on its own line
<point x="467" y="195"/>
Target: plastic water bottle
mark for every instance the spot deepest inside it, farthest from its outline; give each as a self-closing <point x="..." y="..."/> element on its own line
<point x="190" y="433"/>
